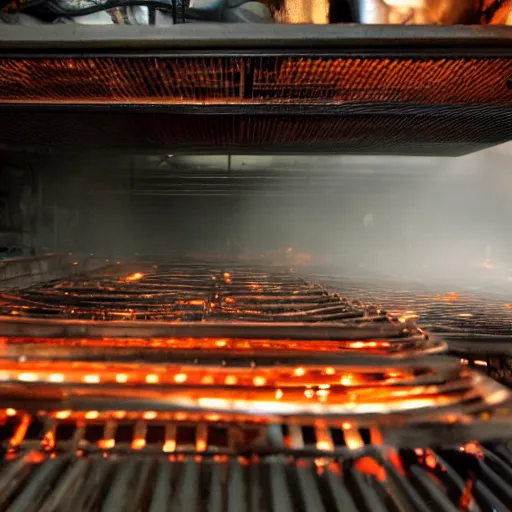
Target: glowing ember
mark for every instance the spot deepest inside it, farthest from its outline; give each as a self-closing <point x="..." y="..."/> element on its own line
<point x="449" y="297"/>
<point x="134" y="277"/>
<point x="106" y="444"/>
<point x="370" y="466"/>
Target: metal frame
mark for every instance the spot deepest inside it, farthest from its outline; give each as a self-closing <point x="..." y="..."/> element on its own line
<point x="214" y="37"/>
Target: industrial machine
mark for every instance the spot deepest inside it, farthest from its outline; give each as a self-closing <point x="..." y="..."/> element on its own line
<point x="254" y="255"/>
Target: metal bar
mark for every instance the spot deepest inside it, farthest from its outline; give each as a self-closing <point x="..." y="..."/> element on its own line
<point x="215" y="37"/>
<point x="186" y="495"/>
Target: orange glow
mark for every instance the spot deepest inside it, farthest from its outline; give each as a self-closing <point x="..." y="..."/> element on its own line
<point x="121" y="378"/>
<point x="20" y="431"/>
<point x="169" y="446"/>
<point x="299" y="372"/>
<point x="27" y="377"/>
<point x="138" y="443"/>
<point x="11" y="412"/>
<point x="152" y="378"/>
<point x="195" y="302"/>
<point x="134" y="277"/>
<point x="48" y="441"/>
<point x="62" y="415"/>
<point x="231" y="380"/>
<point x="430" y="460"/>
<point x="56" y="377"/>
<point x="236" y="345"/>
<point x="180" y="378"/>
<point x="474" y="448"/>
<point x="395" y="459"/>
<point x="346" y="380"/>
<point x="449" y="297"/>
<point x="259" y="381"/>
<point x="370" y="466"/>
<point x="403" y="319"/>
<point x="353" y="439"/>
<point x="92" y="379"/>
<point x="229" y="300"/>
<point x="106" y="444"/>
<point x="279" y="394"/>
<point x="330" y="371"/>
<point x="149" y="415"/>
<point x="508" y="305"/>
<point x="479" y="362"/>
<point x="92" y="415"/>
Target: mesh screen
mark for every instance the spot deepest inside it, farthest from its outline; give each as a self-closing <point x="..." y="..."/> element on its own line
<point x="444" y="106"/>
<point x="256" y="79"/>
<point x="432" y="131"/>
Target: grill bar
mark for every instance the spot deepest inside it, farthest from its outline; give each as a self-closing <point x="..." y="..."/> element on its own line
<point x="201" y="301"/>
<point x="372" y="480"/>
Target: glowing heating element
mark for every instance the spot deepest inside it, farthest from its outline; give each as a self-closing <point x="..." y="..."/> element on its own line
<point x="425" y="80"/>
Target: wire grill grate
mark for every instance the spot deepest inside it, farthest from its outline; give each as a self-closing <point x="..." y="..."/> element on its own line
<point x="189" y="293"/>
<point x="253" y="79"/>
<point x="368" y="481"/>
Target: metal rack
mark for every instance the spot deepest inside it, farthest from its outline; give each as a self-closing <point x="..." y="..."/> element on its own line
<point x="371" y="479"/>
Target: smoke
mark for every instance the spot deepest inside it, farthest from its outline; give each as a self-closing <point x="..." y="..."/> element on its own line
<point x="431" y="217"/>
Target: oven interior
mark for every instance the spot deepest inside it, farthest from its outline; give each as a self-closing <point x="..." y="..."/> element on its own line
<point x="255" y="332"/>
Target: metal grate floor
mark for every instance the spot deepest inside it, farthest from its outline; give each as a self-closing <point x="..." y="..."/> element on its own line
<point x="370" y="480"/>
